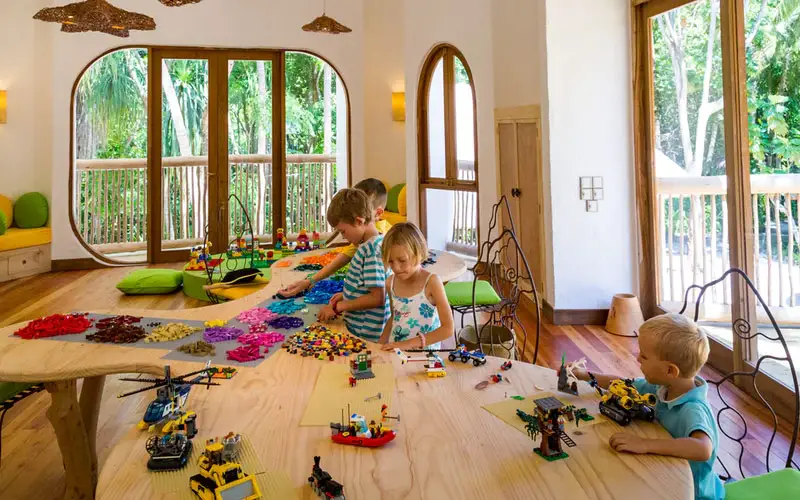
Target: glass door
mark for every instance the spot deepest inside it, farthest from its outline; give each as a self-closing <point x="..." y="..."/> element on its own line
<point x="183" y="138"/>
<point x="251" y="119"/>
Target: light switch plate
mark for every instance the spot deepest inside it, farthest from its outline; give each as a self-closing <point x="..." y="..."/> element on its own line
<point x="592" y="206"/>
<point x="586" y="193"/>
<point x="586" y="182"/>
<point x="597" y="182"/>
<point x="597" y="193"/>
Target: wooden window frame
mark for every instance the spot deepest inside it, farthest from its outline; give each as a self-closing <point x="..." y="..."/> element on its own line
<point x="217" y="101"/>
<point x="737" y="154"/>
<point x="447" y="53"/>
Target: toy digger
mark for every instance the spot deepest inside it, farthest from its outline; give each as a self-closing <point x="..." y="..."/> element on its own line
<point x="622" y="402"/>
<point x="220" y="477"/>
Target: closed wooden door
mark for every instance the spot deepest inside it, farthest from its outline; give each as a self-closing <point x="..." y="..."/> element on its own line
<point x="519" y="158"/>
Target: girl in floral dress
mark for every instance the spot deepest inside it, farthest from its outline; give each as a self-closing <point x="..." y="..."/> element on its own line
<point x="421" y="316"/>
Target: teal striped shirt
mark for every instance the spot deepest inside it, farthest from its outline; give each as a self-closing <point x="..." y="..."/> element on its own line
<point x="366" y="271"/>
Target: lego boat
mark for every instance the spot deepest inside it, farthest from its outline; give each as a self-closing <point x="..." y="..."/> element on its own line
<point x="368" y="442"/>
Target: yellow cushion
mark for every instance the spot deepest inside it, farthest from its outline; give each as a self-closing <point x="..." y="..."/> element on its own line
<point x="402" y="206"/>
<point x="7" y="207"/>
<point x="393" y="218"/>
<point x="22" y="238"/>
<point x="239" y="291"/>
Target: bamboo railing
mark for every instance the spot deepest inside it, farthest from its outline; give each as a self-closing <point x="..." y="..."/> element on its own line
<point x="111" y="198"/>
<point x="693" y="241"/>
<point x="464" y="237"/>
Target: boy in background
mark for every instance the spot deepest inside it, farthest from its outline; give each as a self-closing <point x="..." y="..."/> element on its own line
<point x="376" y="192"/>
<point x="363" y="301"/>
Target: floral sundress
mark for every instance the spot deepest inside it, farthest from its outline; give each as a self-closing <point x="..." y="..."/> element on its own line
<point x="412" y="315"/>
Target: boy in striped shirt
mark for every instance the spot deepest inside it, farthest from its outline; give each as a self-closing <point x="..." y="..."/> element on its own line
<point x="363" y="301"/>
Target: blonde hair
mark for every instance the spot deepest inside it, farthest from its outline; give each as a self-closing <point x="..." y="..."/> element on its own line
<point x="678" y="340"/>
<point x="407" y="235"/>
<point x="348" y="205"/>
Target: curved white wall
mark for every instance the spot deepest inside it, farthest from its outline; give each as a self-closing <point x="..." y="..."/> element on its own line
<point x="213" y="23"/>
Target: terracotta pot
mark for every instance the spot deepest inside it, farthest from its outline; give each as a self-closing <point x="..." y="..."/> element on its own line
<point x="625" y="316"/>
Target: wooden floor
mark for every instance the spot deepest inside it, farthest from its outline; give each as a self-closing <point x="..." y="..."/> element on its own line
<point x="31" y="461"/>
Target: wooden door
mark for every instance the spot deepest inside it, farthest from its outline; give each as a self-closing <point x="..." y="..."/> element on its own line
<point x="519" y="160"/>
<point x="530" y="199"/>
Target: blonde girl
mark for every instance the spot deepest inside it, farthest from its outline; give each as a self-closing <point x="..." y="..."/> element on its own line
<point x="421" y="316"/>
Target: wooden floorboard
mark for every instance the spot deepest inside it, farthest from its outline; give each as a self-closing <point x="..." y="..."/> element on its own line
<point x="31" y="461"/>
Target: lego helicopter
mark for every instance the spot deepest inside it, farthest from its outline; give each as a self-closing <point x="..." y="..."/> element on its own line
<point x="434" y="365"/>
<point x="167" y="409"/>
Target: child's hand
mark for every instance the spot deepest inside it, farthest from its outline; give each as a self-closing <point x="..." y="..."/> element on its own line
<point x="337" y="297"/>
<point x="295" y="288"/>
<point x="625" y="441"/>
<point x="391" y="346"/>
<point x="326" y="313"/>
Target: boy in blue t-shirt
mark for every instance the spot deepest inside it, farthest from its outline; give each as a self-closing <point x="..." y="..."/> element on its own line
<point x="672" y="349"/>
<point x="363" y="301"/>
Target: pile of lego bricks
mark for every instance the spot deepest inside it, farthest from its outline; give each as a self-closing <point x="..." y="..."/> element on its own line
<point x="322" y="342"/>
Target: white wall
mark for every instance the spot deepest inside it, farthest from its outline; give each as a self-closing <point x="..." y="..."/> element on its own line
<point x="385" y="139"/>
<point x="590" y="117"/>
<point x="24" y="73"/>
<point x="213" y="23"/>
<point x="428" y="23"/>
<point x="516" y="26"/>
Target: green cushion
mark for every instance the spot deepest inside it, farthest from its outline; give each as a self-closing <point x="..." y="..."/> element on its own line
<point x="3" y="223"/>
<point x="459" y="293"/>
<point x="392" y="197"/>
<point x="151" y="282"/>
<point x="9" y="389"/>
<point x="30" y="210"/>
<point x="784" y="483"/>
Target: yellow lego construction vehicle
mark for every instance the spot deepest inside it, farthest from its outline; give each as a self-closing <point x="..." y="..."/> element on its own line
<point x="622" y="402"/>
<point x="221" y="477"/>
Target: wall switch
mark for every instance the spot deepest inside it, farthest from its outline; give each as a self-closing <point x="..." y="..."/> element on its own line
<point x="586" y="182"/>
<point x="586" y="193"/>
<point x="592" y="206"/>
<point x="597" y="193"/>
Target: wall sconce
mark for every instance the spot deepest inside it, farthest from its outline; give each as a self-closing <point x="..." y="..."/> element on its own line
<point x="399" y="106"/>
<point x="3" y="116"/>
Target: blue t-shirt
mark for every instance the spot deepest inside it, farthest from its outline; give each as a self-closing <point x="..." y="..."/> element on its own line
<point x="681" y="417"/>
<point x="366" y="271"/>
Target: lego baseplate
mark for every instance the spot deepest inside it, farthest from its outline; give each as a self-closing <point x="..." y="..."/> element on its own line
<point x="506" y="410"/>
<point x="551" y="458"/>
<point x="274" y="485"/>
<point x="332" y="393"/>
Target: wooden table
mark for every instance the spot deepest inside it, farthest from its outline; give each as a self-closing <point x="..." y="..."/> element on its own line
<point x="448" y="445"/>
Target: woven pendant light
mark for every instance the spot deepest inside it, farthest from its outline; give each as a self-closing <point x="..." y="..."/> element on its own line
<point x="178" y="3"/>
<point x="325" y="24"/>
<point x="96" y="15"/>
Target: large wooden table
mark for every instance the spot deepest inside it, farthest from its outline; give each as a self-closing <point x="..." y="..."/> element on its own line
<point x="449" y="447"/>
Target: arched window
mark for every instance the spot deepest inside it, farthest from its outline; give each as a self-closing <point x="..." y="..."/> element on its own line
<point x="448" y="152"/>
<point x="268" y="126"/>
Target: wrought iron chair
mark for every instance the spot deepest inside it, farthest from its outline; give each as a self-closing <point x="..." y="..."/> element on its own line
<point x="503" y="267"/>
<point x="744" y="331"/>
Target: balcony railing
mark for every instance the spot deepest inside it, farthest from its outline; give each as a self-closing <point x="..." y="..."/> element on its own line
<point x="693" y="240"/>
<point x="464" y="238"/>
<point x="111" y="198"/>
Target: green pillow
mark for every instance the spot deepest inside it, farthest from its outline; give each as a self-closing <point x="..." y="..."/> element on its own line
<point x="392" y="198"/>
<point x="784" y="483"/>
<point x="459" y="293"/>
<point x="3" y="223"/>
<point x="30" y="210"/>
<point x="151" y="282"/>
